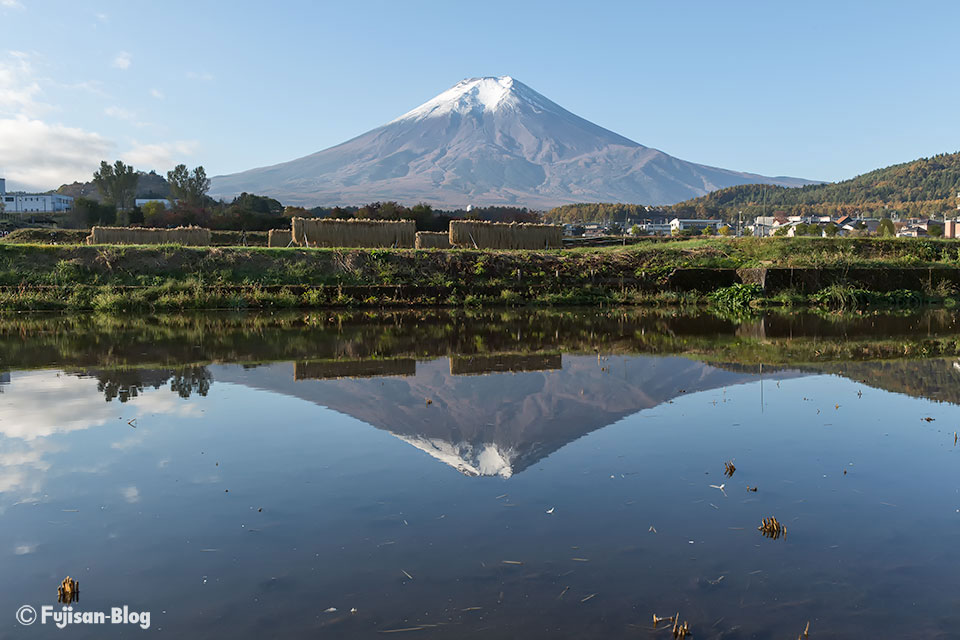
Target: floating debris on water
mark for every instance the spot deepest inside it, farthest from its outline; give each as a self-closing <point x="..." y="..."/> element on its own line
<point x="589" y="597"/>
<point x="550" y="510"/>
<point x="68" y="591"/>
<point x="772" y="528"/>
<point x="406" y="574"/>
<point x="729" y="469"/>
<point x="754" y="489"/>
<point x="511" y="562"/>
<point x="806" y="632"/>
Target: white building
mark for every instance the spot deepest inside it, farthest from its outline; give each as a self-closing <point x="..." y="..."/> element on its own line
<point x="679" y="224"/>
<point x="20" y="202"/>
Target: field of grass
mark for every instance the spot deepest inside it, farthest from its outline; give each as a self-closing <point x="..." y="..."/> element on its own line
<point x="72" y="276"/>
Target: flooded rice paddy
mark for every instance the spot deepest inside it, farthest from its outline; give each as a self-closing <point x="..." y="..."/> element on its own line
<point x="492" y="474"/>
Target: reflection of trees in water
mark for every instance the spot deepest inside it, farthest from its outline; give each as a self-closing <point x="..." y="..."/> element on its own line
<point x="190" y="380"/>
<point x="124" y="384"/>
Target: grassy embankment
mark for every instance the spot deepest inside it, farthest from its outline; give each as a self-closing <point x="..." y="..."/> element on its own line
<point x="716" y="271"/>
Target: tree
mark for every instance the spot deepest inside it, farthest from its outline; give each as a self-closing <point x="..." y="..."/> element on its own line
<point x="707" y="231"/>
<point x="725" y="230"/>
<point x="179" y="180"/>
<point x="831" y="230"/>
<point x="886" y="228"/>
<point x="117" y="183"/>
<point x="935" y="230"/>
<point x="89" y="213"/>
<point x="152" y="211"/>
<point x="190" y="187"/>
<point x="635" y="230"/>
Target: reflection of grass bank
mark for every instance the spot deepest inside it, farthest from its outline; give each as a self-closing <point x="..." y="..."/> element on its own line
<point x="166" y="340"/>
<point x="741" y="275"/>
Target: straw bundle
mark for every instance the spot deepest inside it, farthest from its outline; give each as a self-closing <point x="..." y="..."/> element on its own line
<point x="327" y="232"/>
<point x="332" y="369"/>
<point x="278" y="238"/>
<point x="496" y="235"/>
<point x="502" y="363"/>
<point x="433" y="240"/>
<point x="188" y="236"/>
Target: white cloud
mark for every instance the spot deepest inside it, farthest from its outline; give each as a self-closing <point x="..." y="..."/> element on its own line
<point x="131" y="494"/>
<point x="200" y="75"/>
<point x="156" y="93"/>
<point x="43" y="156"/>
<point x="35" y="153"/>
<point x="19" y="91"/>
<point x="120" y="113"/>
<point x="102" y="17"/>
<point x="122" y="61"/>
<point x="159" y="155"/>
<point x="11" y="4"/>
<point x="24" y="549"/>
<point x="38" y="154"/>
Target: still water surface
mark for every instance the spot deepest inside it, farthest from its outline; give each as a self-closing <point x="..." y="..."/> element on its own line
<point x="495" y="475"/>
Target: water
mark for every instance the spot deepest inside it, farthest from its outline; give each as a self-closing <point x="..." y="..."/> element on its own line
<point x="497" y="474"/>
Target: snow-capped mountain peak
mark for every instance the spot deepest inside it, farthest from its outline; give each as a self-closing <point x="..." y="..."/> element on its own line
<point x="486" y="94"/>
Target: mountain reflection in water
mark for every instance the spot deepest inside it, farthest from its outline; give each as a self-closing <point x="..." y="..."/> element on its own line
<point x="550" y="393"/>
<point x="536" y="474"/>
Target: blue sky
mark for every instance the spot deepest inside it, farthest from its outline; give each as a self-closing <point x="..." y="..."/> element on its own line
<point x="822" y="90"/>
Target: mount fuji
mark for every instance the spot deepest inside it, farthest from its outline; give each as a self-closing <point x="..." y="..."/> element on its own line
<point x="487" y="141"/>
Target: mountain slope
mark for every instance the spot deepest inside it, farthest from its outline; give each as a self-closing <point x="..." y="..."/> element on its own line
<point x="487" y="141"/>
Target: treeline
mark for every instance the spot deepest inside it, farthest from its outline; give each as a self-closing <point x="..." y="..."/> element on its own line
<point x="119" y="185"/>
<point x="600" y="212"/>
<point x="921" y="188"/>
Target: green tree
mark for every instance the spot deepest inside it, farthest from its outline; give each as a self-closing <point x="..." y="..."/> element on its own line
<point x="189" y="187"/>
<point x="935" y="230"/>
<point x="117" y="183"/>
<point x="635" y="230"/>
<point x="725" y="230"/>
<point x="152" y="211"/>
<point x="88" y="213"/>
<point x="886" y="228"/>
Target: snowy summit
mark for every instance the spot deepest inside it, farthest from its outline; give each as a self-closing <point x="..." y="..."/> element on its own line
<point x="477" y="94"/>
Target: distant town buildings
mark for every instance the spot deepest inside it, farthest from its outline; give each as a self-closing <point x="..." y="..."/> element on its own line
<point x="790" y="226"/>
<point x="20" y="202"/>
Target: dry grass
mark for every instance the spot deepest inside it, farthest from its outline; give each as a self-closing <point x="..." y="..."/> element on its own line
<point x="326" y="232"/>
<point x="186" y="236"/>
<point x="433" y="240"/>
<point x="471" y="234"/>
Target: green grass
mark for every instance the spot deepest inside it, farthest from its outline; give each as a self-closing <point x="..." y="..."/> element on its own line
<point x="119" y="278"/>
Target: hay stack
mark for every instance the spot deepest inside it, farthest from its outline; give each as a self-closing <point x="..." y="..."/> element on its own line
<point x="502" y="363"/>
<point x="327" y="232"/>
<point x="278" y="238"/>
<point x="187" y="236"/>
<point x="433" y="240"/>
<point x="471" y="234"/>
<point x="333" y="369"/>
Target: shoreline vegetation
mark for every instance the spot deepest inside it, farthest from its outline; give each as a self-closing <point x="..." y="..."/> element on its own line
<point x="912" y="353"/>
<point x="729" y="275"/>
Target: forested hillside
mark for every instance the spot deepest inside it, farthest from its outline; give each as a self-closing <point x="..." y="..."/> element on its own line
<point x="925" y="187"/>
